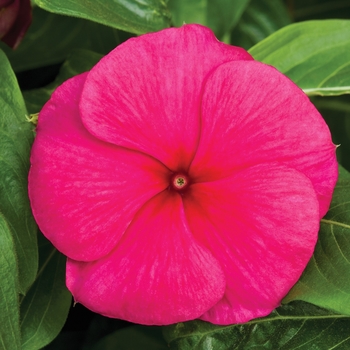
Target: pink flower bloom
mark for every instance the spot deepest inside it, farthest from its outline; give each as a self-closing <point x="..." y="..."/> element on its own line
<point x="182" y="179"/>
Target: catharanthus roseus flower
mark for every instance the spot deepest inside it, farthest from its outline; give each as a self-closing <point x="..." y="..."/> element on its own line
<point x="182" y="179"/>
<point x="15" y="18"/>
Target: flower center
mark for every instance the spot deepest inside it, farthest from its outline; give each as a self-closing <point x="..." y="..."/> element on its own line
<point x="179" y="182"/>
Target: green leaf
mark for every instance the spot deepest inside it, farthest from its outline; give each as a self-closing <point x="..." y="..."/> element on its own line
<point x="16" y="137"/>
<point x="336" y="112"/>
<point x="52" y="37"/>
<point x="298" y="325"/>
<point x="45" y="307"/>
<point x="260" y="19"/>
<point x="78" y="61"/>
<point x="311" y="9"/>
<point x="343" y="173"/>
<point x="223" y="15"/>
<point x="9" y="315"/>
<point x="133" y="338"/>
<point x="314" y="54"/>
<point x="133" y="16"/>
<point x="220" y="15"/>
<point x="336" y="103"/>
<point x="326" y="279"/>
<point x="188" y="11"/>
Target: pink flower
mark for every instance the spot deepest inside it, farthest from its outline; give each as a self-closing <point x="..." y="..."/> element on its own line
<point x="182" y="179"/>
<point x="15" y="18"/>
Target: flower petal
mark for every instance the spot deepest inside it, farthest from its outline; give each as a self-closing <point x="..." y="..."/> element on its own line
<point x="158" y="274"/>
<point x="252" y="114"/>
<point x="84" y="192"/>
<point x="261" y="224"/>
<point x="145" y="95"/>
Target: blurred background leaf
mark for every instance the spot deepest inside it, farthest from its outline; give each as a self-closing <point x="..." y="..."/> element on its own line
<point x="77" y="62"/>
<point x="133" y="338"/>
<point x="188" y="11"/>
<point x="84" y="329"/>
<point x="16" y="137"/>
<point x="302" y="10"/>
<point x="45" y="307"/>
<point x="223" y="15"/>
<point x="219" y="15"/>
<point x="134" y="16"/>
<point x="260" y="19"/>
<point x="294" y="326"/>
<point x="51" y="38"/>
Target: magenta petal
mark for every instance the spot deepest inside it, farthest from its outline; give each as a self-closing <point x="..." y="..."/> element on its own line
<point x="145" y="95"/>
<point x="261" y="224"/>
<point x="84" y="192"/>
<point x="252" y="114"/>
<point x="158" y="274"/>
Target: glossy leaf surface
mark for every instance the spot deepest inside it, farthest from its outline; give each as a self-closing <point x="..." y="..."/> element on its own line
<point x="299" y="326"/>
<point x="325" y="282"/>
<point x="314" y="54"/>
<point x="16" y="136"/>
<point x="131" y="15"/>
<point x="45" y="307"/>
<point x="9" y="316"/>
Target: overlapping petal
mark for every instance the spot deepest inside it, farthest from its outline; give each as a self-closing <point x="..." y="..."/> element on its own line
<point x="252" y="114"/>
<point x="145" y="95"/>
<point x="255" y="159"/>
<point x="158" y="273"/>
<point x="84" y="192"/>
<point x="261" y="223"/>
